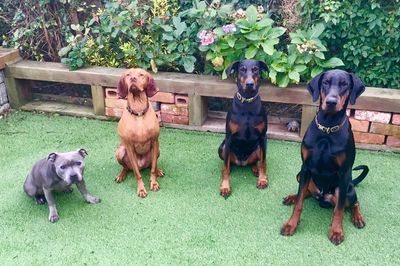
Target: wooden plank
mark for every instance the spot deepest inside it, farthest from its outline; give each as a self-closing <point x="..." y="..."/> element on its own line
<point x="62" y="98"/>
<point x="62" y="108"/>
<point x="98" y="100"/>
<point x="307" y="115"/>
<point x="377" y="99"/>
<point x="8" y="56"/>
<point x="197" y="110"/>
<point x="19" y="92"/>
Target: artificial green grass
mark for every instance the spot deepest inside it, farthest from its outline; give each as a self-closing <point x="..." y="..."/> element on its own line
<point x="187" y="221"/>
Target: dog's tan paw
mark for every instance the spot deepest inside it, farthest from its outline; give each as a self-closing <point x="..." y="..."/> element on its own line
<point x="289" y="200"/>
<point x="154" y="186"/>
<point x="288" y="229"/>
<point x="336" y="236"/>
<point x="262" y="183"/>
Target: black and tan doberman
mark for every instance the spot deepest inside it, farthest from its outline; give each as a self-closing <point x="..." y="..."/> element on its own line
<point x="328" y="153"/>
<point x="246" y="126"/>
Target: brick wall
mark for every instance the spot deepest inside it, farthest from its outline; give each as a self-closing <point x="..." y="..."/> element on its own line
<point x="4" y="104"/>
<point x="169" y="107"/>
<point x="372" y="127"/>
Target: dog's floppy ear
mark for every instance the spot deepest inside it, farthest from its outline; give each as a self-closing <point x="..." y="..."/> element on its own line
<point x="234" y="66"/>
<point x="82" y="152"/>
<point x="357" y="89"/>
<point x="122" y="90"/>
<point x="263" y="65"/>
<point x="314" y="85"/>
<point x="52" y="157"/>
<point x="151" y="88"/>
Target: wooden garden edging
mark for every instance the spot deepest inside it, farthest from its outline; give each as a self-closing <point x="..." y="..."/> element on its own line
<point x="197" y="87"/>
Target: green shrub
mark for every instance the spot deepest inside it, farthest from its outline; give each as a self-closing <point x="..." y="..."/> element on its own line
<point x="364" y="33"/>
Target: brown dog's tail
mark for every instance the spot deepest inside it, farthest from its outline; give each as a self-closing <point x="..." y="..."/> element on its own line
<point x="362" y="175"/>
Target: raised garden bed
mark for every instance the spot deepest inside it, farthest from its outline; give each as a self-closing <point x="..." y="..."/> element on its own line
<point x="374" y="117"/>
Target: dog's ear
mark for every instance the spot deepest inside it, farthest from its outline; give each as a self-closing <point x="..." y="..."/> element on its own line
<point x="234" y="66"/>
<point x="52" y="157"/>
<point x="357" y="89"/>
<point x="122" y="90"/>
<point x="151" y="88"/>
<point x="263" y="65"/>
<point x="314" y="85"/>
<point x="82" y="152"/>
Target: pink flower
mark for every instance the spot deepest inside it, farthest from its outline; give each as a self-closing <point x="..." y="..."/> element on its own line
<point x="206" y="38"/>
<point x="230" y="28"/>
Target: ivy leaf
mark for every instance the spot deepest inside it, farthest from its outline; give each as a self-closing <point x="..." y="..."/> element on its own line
<point x="282" y="80"/>
<point x="293" y="75"/>
<point x="317" y="30"/>
<point x="188" y="63"/>
<point x="316" y="70"/>
<point x="320" y="55"/>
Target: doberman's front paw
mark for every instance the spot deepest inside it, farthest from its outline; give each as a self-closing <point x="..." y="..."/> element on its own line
<point x="358" y="221"/>
<point x="225" y="192"/>
<point x="154" y="186"/>
<point x="53" y="217"/>
<point x="262" y="183"/>
<point x="336" y="236"/>
<point x="289" y="200"/>
<point x="288" y="229"/>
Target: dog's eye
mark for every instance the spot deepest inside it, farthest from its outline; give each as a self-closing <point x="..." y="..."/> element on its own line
<point x="63" y="167"/>
<point x="255" y="69"/>
<point x="141" y="75"/>
<point x="243" y="69"/>
<point x="325" y="82"/>
<point x="78" y="163"/>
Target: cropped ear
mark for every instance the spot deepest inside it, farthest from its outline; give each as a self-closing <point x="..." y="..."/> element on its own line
<point x="122" y="90"/>
<point x="82" y="152"/>
<point x="234" y="66"/>
<point x="263" y="65"/>
<point x="357" y="89"/>
<point x="314" y="85"/>
<point x="52" y="157"/>
<point x="151" y="89"/>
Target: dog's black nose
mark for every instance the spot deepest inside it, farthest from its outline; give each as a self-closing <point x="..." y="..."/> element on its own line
<point x="74" y="178"/>
<point x="331" y="101"/>
<point x="250" y="83"/>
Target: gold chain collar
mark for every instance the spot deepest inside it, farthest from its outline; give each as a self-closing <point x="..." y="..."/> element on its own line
<point x="247" y="100"/>
<point x="329" y="130"/>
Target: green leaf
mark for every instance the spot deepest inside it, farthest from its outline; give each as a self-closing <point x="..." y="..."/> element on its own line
<point x="268" y="47"/>
<point x="282" y="80"/>
<point x="293" y="75"/>
<point x="253" y="36"/>
<point x="167" y="37"/>
<point x="251" y="52"/>
<point x="317" y="30"/>
<point x="276" y="32"/>
<point x="167" y="28"/>
<point x="265" y="22"/>
<point x="231" y="42"/>
<point x="251" y="13"/>
<point x="316" y="70"/>
<point x="64" y="51"/>
<point x="319" y="55"/>
<point x="299" y="68"/>
<point x="204" y="48"/>
<point x="332" y="62"/>
<point x="188" y="63"/>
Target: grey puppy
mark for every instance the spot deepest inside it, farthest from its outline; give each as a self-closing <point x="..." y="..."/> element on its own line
<point x="57" y="173"/>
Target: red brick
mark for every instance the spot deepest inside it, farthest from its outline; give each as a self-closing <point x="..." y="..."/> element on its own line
<point x="116" y="103"/>
<point x="369" y="138"/>
<point x="396" y="119"/>
<point x="175" y="119"/>
<point x="373" y="116"/>
<point x="174" y="110"/>
<point x="393" y="141"/>
<point x="163" y="97"/>
<point x="181" y="100"/>
<point x="111" y="93"/>
<point x="359" y="125"/>
<point x="385" y="129"/>
<point x="114" y="112"/>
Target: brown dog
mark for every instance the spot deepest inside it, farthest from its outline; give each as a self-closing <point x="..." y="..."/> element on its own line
<point x="138" y="129"/>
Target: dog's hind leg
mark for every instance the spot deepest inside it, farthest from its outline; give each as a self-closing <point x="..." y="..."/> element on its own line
<point x="120" y="155"/>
